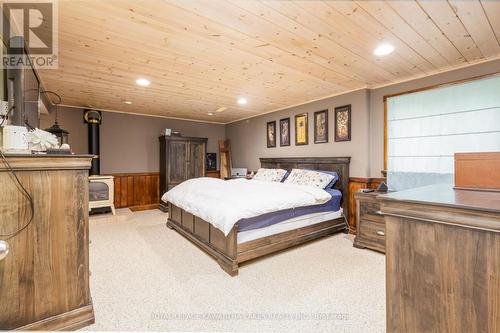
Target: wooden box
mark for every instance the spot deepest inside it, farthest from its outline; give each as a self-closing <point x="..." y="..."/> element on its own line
<point x="477" y="171"/>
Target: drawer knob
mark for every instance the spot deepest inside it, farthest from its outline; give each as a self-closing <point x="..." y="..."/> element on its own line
<point x="380" y="233"/>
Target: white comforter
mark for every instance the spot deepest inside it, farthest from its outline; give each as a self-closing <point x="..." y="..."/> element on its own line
<point x="223" y="203"/>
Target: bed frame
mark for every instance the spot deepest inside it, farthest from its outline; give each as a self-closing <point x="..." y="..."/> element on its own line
<point x="225" y="249"/>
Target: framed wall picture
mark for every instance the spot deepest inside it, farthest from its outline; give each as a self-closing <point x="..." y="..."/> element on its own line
<point x="343" y="123"/>
<point x="284" y="132"/>
<point x="271" y="134"/>
<point x="321" y="126"/>
<point x="301" y="129"/>
<point x="211" y="162"/>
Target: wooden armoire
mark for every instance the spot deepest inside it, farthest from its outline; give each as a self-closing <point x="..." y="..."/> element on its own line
<point x="181" y="158"/>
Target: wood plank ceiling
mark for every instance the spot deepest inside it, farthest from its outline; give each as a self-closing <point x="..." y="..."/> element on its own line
<point x="201" y="55"/>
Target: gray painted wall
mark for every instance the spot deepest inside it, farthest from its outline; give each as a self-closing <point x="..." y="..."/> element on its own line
<point x="129" y="143"/>
<point x="248" y="137"/>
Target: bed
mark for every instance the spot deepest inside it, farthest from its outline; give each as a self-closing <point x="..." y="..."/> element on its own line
<point x="251" y="238"/>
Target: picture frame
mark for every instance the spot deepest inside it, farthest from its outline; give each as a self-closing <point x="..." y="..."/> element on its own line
<point x="285" y="132"/>
<point x="321" y="126"/>
<point x="271" y="134"/>
<point x="343" y="123"/>
<point x="301" y="129"/>
<point x="211" y="161"/>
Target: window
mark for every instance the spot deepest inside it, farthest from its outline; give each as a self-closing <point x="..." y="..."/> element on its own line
<point x="425" y="129"/>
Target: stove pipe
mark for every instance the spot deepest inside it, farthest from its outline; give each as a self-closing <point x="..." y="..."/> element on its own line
<point x="93" y="120"/>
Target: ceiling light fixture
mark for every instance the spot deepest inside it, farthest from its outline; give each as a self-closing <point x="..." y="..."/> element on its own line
<point x="383" y="49"/>
<point x="142" y="82"/>
<point x="210" y="113"/>
<point x="127" y="102"/>
<point x="242" y="101"/>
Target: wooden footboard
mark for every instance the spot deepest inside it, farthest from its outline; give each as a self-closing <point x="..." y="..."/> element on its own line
<point x="284" y="240"/>
<point x="225" y="249"/>
<point x="204" y="235"/>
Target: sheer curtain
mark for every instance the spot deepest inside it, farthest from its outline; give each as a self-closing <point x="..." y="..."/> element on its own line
<point x="425" y="129"/>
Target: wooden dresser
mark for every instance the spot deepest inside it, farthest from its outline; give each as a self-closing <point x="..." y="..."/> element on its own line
<point x="181" y="158"/>
<point x="442" y="260"/>
<point x="371" y="225"/>
<point x="44" y="280"/>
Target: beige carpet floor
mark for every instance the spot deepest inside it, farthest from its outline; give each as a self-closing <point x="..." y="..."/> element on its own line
<point x="147" y="277"/>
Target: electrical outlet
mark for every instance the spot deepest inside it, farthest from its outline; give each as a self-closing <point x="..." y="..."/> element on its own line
<point x="4" y="108"/>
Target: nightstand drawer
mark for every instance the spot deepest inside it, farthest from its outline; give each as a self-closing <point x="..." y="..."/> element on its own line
<point x="371" y="210"/>
<point x="371" y="230"/>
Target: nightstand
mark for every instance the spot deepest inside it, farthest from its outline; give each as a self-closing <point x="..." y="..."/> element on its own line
<point x="370" y="222"/>
<point x="212" y="173"/>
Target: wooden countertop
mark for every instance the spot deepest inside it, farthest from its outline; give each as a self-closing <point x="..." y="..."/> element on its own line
<point x="445" y="195"/>
<point x="46" y="162"/>
<point x="442" y="204"/>
<point x="48" y="155"/>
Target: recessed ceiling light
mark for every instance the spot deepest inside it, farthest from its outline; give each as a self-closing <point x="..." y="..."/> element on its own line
<point x="383" y="49"/>
<point x="242" y="101"/>
<point x="210" y="113"/>
<point x="127" y="102"/>
<point x="143" y="82"/>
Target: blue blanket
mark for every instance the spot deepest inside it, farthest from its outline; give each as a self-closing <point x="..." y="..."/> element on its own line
<point x="268" y="219"/>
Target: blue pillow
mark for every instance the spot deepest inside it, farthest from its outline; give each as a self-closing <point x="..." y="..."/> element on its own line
<point x="331" y="173"/>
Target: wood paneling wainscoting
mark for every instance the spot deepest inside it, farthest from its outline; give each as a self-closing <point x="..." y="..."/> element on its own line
<point x="141" y="191"/>
<point x="137" y="191"/>
<point x="355" y="184"/>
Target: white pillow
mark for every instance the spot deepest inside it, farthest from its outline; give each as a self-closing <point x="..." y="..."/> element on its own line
<point x="309" y="177"/>
<point x="269" y="175"/>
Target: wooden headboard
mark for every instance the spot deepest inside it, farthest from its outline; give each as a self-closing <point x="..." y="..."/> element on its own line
<point x="338" y="164"/>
